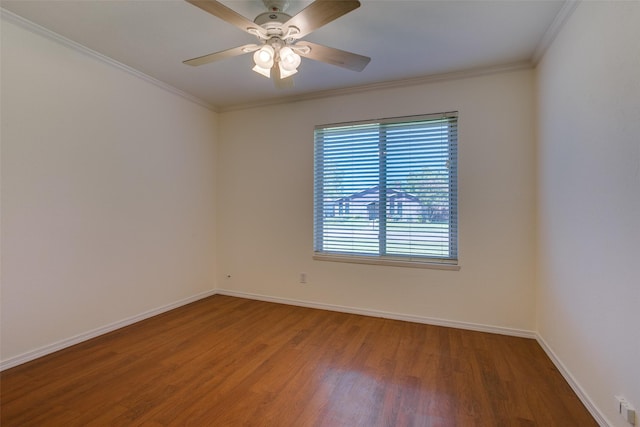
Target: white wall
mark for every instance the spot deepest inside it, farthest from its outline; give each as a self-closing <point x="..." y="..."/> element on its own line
<point x="588" y="305"/>
<point x="107" y="194"/>
<point x="265" y="204"/>
<point x="109" y="200"/>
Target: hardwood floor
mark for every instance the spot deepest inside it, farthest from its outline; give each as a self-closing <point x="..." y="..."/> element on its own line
<point x="226" y="361"/>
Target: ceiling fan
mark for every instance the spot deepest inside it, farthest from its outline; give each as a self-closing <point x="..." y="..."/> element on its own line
<point x="279" y="48"/>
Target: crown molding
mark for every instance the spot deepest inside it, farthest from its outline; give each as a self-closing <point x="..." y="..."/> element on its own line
<point x="456" y="75"/>
<point x="38" y="29"/>
<point x="554" y="29"/>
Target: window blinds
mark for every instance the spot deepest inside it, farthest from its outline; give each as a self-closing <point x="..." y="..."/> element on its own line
<point x="387" y="188"/>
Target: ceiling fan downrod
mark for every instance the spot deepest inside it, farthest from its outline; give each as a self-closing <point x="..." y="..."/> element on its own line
<point x="276" y="5"/>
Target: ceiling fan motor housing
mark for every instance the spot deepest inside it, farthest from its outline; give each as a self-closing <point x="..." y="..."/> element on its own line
<point x="270" y="19"/>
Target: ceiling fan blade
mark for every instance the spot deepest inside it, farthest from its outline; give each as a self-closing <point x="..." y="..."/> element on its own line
<point x="205" y="59"/>
<point x="226" y="14"/>
<point x="330" y="55"/>
<point x="319" y="13"/>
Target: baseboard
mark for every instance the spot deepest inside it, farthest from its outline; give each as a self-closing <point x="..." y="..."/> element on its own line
<point x="51" y="348"/>
<point x="384" y="314"/>
<point x="574" y="384"/>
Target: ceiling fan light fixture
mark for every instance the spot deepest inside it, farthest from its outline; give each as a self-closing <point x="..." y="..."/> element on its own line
<point x="264" y="56"/>
<point x="284" y="73"/>
<point x="289" y="60"/>
<point x="288" y="63"/>
<point x="264" y="71"/>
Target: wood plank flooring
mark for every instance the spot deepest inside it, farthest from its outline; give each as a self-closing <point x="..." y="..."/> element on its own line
<point x="226" y="361"/>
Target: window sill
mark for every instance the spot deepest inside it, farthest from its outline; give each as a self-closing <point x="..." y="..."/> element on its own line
<point x="390" y="262"/>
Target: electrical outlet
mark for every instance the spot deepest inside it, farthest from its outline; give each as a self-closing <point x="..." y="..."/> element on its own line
<point x="303" y="278"/>
<point x="626" y="410"/>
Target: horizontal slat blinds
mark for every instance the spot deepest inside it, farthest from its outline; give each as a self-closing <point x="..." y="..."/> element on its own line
<point x="387" y="189"/>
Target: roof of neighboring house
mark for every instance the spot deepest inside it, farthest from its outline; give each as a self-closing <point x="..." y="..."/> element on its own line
<point x="376" y="189"/>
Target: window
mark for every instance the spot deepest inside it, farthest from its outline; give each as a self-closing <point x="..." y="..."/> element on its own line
<point x="386" y="191"/>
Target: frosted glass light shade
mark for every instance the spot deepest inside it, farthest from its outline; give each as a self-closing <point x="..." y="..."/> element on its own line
<point x="289" y="60"/>
<point x="264" y="71"/>
<point x="286" y="73"/>
<point x="263" y="57"/>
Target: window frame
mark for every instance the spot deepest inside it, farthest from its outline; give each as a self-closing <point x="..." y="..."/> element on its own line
<point x="411" y="260"/>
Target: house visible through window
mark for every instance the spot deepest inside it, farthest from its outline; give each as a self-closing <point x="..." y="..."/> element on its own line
<point x="386" y="190"/>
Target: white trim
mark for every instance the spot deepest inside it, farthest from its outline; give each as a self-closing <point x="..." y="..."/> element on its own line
<point x="386" y="262"/>
<point x="384" y="314"/>
<point x="574" y="384"/>
<point x="38" y="29"/>
<point x="554" y="29"/>
<point x="566" y="374"/>
<point x="476" y="72"/>
<point x="85" y="336"/>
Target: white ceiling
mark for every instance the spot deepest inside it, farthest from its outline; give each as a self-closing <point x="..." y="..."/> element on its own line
<point x="405" y="39"/>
